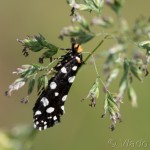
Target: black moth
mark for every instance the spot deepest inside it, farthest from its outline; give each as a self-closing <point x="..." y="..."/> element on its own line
<point x="50" y="105"/>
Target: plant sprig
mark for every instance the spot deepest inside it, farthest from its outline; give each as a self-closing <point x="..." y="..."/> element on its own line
<point x="116" y="57"/>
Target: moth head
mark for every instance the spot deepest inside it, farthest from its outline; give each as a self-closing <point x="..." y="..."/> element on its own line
<point x="78" y="48"/>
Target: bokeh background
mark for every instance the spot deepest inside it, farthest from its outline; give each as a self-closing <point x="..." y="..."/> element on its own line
<point x="81" y="126"/>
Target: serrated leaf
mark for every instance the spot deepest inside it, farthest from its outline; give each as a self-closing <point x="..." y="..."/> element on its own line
<point x="31" y="86"/>
<point x="36" y="44"/>
<point x="41" y="39"/>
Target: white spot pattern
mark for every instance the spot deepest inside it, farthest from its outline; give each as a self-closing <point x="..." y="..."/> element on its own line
<point x="63" y="70"/>
<point x="37" y="122"/>
<point x="40" y="128"/>
<point x="50" y="117"/>
<point x="34" y="125"/>
<point x="56" y="93"/>
<point x="50" y="110"/>
<point x="74" y="68"/>
<point x="45" y="101"/>
<point x="53" y="85"/>
<point x="58" y="65"/>
<point x="62" y="107"/>
<point x="64" y="98"/>
<point x="38" y="112"/>
<point x="54" y="118"/>
<point x="71" y="79"/>
<point x="45" y="127"/>
<point x="78" y="59"/>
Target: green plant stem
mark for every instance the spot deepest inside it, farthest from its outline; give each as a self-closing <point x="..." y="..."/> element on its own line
<point x="91" y="55"/>
<point x="94" y="50"/>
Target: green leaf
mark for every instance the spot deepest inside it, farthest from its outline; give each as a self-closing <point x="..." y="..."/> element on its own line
<point x="70" y="1"/>
<point x="136" y="71"/>
<point x="82" y="21"/>
<point x="126" y="66"/>
<point x="33" y="43"/>
<point x="105" y="21"/>
<point x="28" y="73"/>
<point x="113" y="74"/>
<point x="87" y="5"/>
<point x="77" y="32"/>
<point x="84" y="7"/>
<point x="37" y="67"/>
<point x="105" y="105"/>
<point x="124" y="80"/>
<point x="41" y="39"/>
<point x="132" y="96"/>
<point x="36" y="44"/>
<point x="112" y="107"/>
<point x="84" y="37"/>
<point x="93" y="94"/>
<point x="112" y="103"/>
<point x="116" y="5"/>
<point x="31" y="86"/>
<point x="145" y="44"/>
<point x="42" y="82"/>
<point x="123" y="85"/>
<point x="39" y="82"/>
<point x="45" y="81"/>
<point x="49" y="53"/>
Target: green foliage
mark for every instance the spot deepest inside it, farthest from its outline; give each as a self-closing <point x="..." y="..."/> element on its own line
<point x="42" y="82"/>
<point x="131" y="63"/>
<point x="18" y="138"/>
<point x="81" y="31"/>
<point x="112" y="107"/>
<point x="116" y="5"/>
<point x="36" y="44"/>
<point x="87" y="5"/>
<point x="94" y="93"/>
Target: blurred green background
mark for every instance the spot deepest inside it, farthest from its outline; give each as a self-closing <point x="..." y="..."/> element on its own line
<point x="81" y="126"/>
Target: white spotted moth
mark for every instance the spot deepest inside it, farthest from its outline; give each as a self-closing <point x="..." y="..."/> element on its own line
<point x="50" y="105"/>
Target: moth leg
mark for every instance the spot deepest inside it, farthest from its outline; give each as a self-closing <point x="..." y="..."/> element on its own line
<point x="68" y="49"/>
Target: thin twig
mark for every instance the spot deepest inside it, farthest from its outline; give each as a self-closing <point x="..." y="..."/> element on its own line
<point x="101" y="42"/>
<point x="91" y="55"/>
